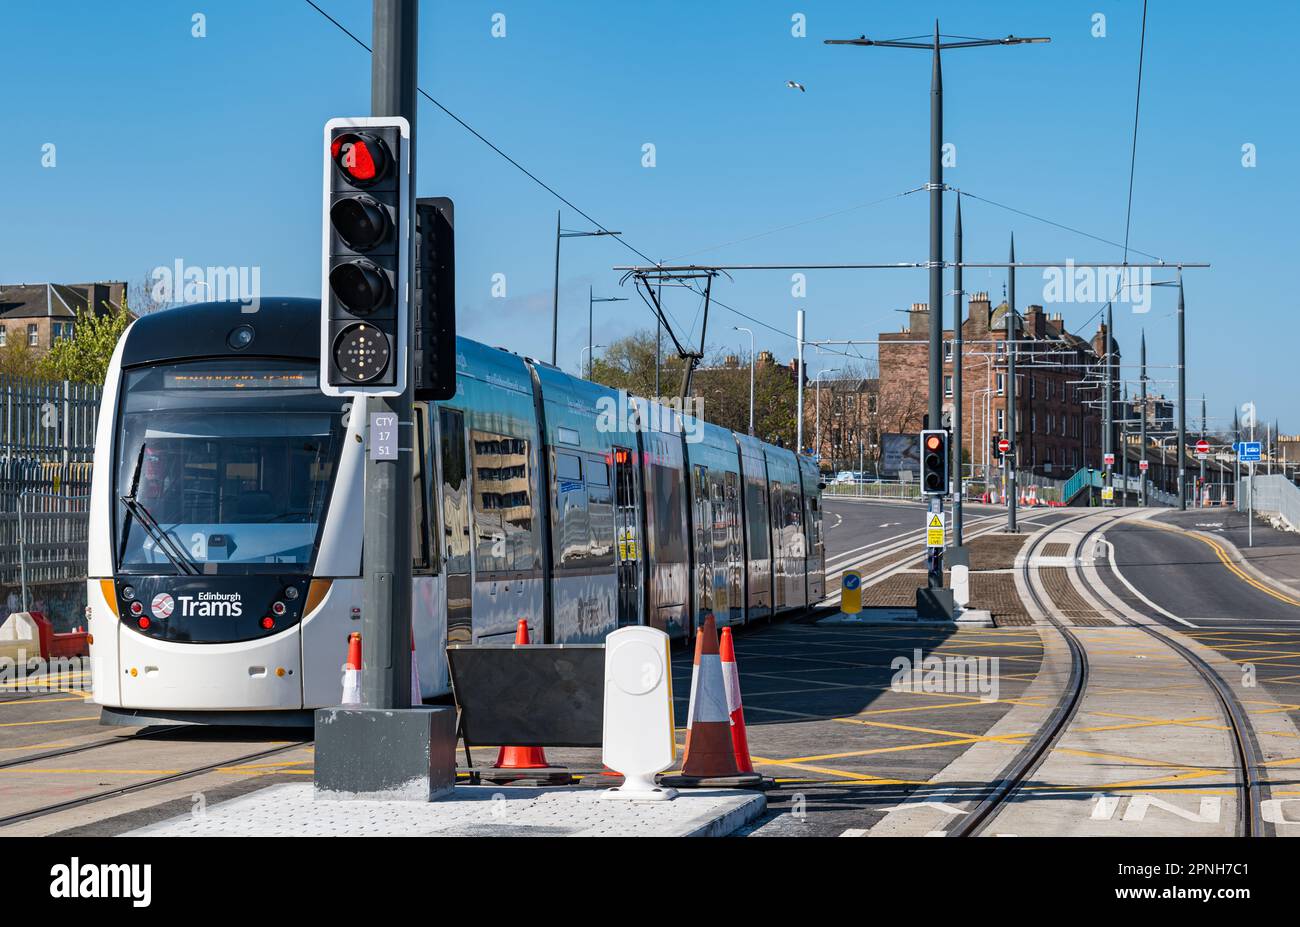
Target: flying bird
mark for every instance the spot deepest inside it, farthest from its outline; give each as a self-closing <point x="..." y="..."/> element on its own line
<point x="795" y="85"/>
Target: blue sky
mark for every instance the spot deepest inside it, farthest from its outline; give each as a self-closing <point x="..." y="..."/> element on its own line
<point x="208" y="150"/>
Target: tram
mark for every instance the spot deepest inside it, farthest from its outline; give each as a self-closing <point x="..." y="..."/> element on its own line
<point x="227" y="507"/>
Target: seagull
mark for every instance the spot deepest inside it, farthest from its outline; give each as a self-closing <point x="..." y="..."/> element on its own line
<point x="795" y="85"/>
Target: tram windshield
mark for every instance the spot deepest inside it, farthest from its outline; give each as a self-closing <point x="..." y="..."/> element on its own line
<point x="224" y="466"/>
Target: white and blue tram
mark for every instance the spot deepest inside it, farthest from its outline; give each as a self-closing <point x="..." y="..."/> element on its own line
<point x="226" y="514"/>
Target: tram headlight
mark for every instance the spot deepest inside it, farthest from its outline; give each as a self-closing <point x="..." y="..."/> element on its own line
<point x="277" y="609"/>
<point x="291" y="592"/>
<point x="137" y="609"/>
<point x="128" y="592"/>
<point x="268" y="622"/>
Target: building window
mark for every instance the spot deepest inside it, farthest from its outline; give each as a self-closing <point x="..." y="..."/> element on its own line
<point x="947" y="386"/>
<point x="1002" y="348"/>
<point x="1033" y="421"/>
<point x="1051" y="423"/>
<point x="1001" y="384"/>
<point x="947" y="350"/>
<point x="31" y="336"/>
<point x="1002" y="422"/>
<point x="4" y="337"/>
<point x="1033" y="387"/>
<point x="871" y="403"/>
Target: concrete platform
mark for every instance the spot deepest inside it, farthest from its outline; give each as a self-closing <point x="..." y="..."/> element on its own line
<point x="471" y="811"/>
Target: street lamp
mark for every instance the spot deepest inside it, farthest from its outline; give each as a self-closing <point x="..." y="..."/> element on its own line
<point x="590" y="359"/>
<point x="741" y="328"/>
<point x="555" y="291"/>
<point x="935" y="186"/>
<point x="591" y="300"/>
<point x="817" y="384"/>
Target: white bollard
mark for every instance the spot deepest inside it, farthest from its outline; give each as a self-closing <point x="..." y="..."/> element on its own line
<point x="961" y="585"/>
<point x="638" y="736"/>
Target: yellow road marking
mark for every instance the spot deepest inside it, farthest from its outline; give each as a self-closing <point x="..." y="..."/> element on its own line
<point x="51" y="721"/>
<point x="1222" y="554"/>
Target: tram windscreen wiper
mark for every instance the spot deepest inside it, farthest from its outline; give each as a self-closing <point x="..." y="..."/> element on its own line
<point x="162" y="541"/>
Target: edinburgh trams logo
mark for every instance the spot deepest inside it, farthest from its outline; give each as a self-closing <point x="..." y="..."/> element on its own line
<point x="212" y="605"/>
<point x="162" y="605"/>
<point x="76" y="879"/>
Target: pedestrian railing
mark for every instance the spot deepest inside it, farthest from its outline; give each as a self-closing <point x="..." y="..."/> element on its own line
<point x="885" y="489"/>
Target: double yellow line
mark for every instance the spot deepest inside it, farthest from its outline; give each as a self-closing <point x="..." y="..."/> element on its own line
<point x="1222" y="554"/>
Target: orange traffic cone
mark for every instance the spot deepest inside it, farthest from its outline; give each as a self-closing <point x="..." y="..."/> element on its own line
<point x="352" y="671"/>
<point x="735" y="710"/>
<point x="709" y="753"/>
<point x="521" y="757"/>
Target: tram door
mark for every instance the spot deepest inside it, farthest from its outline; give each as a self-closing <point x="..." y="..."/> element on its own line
<point x="721" y="541"/>
<point x="456" y="527"/>
<point x="628" y="533"/>
<point x="703" y="516"/>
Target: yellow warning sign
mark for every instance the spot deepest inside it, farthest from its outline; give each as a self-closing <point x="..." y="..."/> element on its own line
<point x="1108" y="492"/>
<point x="934" y="530"/>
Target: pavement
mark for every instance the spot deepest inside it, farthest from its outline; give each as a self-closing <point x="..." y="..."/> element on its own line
<point x="470" y="811"/>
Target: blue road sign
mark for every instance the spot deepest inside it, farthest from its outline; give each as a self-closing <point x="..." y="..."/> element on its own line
<point x="1250" y="451"/>
<point x="851" y="581"/>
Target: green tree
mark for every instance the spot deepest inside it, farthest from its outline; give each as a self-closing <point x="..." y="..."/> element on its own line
<point x="629" y="364"/>
<point x="18" y="360"/>
<point x="84" y="358"/>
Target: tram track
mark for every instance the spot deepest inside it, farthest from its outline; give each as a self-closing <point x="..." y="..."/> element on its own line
<point x="132" y="787"/>
<point x="1247" y="754"/>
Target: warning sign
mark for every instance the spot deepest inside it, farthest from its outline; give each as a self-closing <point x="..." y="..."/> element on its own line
<point x="1108" y="492"/>
<point x="934" y="529"/>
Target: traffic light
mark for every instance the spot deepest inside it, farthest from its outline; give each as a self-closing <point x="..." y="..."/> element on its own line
<point x="934" y="461"/>
<point x="435" y="299"/>
<point x="366" y="256"/>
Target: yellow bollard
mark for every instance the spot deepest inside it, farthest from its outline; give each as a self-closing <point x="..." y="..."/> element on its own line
<point x="851" y="592"/>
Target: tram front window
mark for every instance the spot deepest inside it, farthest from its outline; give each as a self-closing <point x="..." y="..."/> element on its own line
<point x="224" y="466"/>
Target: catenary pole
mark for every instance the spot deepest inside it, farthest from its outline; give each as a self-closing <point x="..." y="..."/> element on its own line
<point x="958" y="347"/>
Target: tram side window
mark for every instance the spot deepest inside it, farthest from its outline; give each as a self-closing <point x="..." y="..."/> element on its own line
<point x="670" y="531"/>
<point x="600" y="514"/>
<point x="455" y="503"/>
<point x="572" y="523"/>
<point x="756" y="520"/>
<point x="503" y="505"/>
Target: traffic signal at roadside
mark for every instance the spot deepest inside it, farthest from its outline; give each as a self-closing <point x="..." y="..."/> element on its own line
<point x="934" y="461"/>
<point x="435" y="299"/>
<point x="366" y="257"/>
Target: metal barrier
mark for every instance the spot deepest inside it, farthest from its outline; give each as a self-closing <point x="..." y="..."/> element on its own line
<point x="885" y="489"/>
<point x="49" y="535"/>
<point x="48" y="431"/>
<point x="1273" y="494"/>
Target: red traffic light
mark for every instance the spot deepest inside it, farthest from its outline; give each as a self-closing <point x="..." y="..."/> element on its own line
<point x="363" y="159"/>
<point x="932" y="443"/>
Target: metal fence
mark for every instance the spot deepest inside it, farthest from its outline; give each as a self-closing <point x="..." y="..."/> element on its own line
<point x="1274" y="494"/>
<point x="48" y="431"/>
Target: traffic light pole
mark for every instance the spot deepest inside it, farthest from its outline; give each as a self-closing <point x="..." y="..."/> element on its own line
<point x="386" y="749"/>
<point x="386" y="548"/>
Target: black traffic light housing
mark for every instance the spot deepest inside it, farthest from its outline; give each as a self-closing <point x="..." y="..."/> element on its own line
<point x="366" y="258"/>
<point x="934" y="461"/>
<point x="435" y="299"/>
